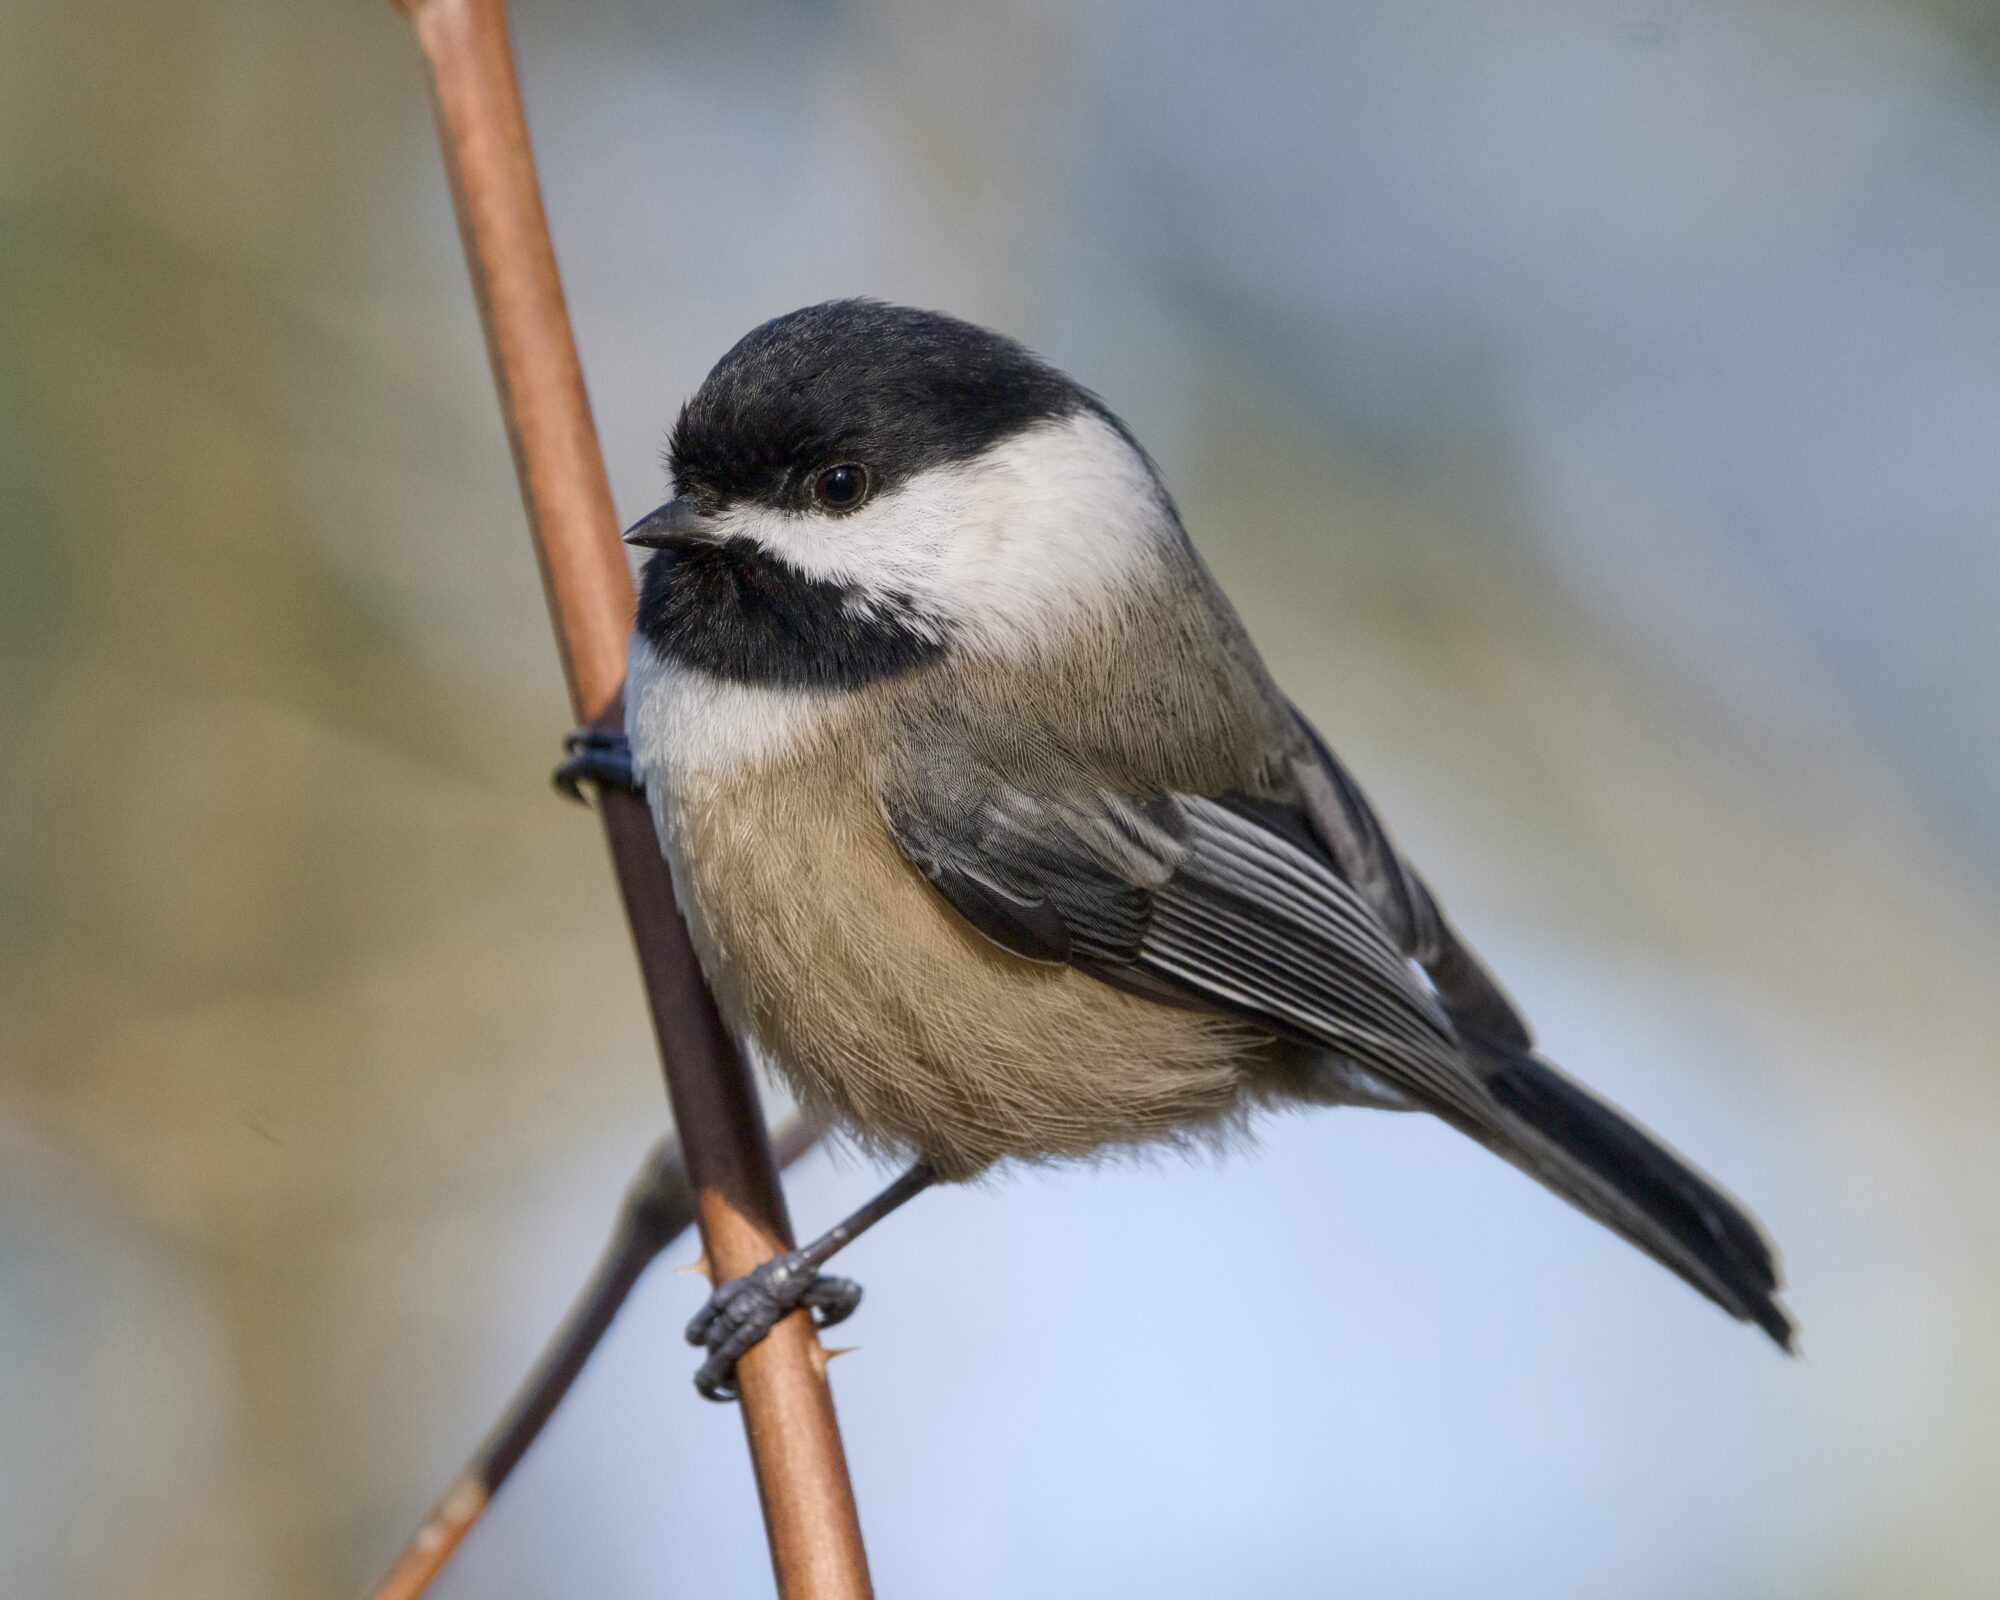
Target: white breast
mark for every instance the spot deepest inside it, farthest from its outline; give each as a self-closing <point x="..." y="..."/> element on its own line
<point x="687" y="730"/>
<point x="684" y="724"/>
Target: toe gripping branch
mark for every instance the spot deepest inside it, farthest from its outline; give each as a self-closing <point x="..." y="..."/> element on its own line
<point x="596" y="756"/>
<point x="744" y="1310"/>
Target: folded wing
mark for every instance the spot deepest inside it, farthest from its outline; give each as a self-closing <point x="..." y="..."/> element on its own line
<point x="1298" y="913"/>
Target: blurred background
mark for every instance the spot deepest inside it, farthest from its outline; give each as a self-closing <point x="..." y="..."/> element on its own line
<point x="1594" y="408"/>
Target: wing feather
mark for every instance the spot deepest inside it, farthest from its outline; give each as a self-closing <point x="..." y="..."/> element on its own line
<point x="1305" y="920"/>
<point x="1213" y="902"/>
<point x="1361" y="848"/>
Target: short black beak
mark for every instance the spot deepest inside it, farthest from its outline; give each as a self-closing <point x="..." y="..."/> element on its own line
<point x="672" y="523"/>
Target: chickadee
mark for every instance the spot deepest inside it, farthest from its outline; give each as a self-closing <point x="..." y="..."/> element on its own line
<point x="993" y="831"/>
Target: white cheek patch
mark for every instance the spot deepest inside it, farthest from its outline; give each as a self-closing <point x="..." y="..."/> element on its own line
<point x="1001" y="548"/>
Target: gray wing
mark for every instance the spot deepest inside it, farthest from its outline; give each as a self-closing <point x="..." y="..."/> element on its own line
<point x="1228" y="903"/>
<point x="1300" y="915"/>
<point x="1360" y="847"/>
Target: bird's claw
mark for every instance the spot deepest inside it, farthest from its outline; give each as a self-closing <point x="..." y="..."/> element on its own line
<point x="594" y="755"/>
<point x="740" y="1313"/>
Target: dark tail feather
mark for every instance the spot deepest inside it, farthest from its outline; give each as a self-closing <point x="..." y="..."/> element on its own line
<point x="1612" y="1169"/>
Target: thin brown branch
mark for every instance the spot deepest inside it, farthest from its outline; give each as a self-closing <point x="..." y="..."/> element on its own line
<point x="657" y="1209"/>
<point x="795" y="1447"/>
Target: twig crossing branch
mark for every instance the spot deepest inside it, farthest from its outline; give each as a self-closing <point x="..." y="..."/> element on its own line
<point x="795" y="1446"/>
<point x="658" y="1208"/>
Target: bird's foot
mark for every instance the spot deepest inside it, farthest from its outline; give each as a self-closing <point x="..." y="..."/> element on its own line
<point x="598" y="756"/>
<point x="740" y="1313"/>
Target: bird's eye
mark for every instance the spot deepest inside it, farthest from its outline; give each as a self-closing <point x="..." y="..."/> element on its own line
<point x="841" y="488"/>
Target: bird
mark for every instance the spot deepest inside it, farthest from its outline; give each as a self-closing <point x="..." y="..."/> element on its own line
<point x="993" y="831"/>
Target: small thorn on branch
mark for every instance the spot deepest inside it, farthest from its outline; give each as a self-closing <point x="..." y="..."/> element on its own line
<point x="824" y="1355"/>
